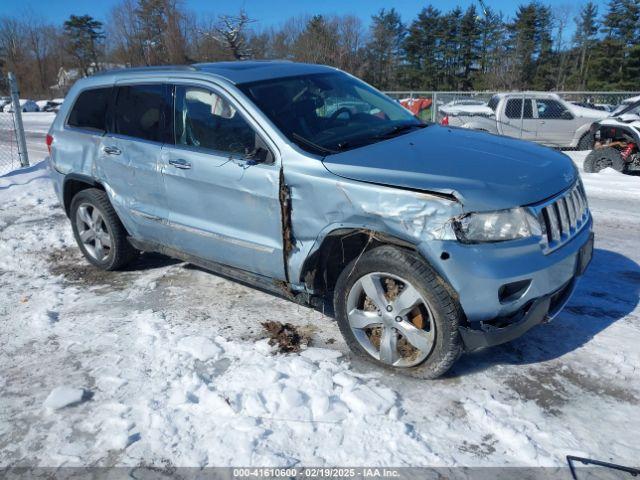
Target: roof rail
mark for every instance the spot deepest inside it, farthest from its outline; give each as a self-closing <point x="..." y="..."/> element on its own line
<point x="158" y="68"/>
<point x="222" y="63"/>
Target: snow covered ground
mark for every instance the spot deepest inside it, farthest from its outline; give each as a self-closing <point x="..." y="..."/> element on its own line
<point x="166" y="364"/>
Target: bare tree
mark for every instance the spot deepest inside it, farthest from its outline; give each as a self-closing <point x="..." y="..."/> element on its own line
<point x="123" y="34"/>
<point x="350" y="44"/>
<point x="231" y="32"/>
<point x="11" y="42"/>
<point x="148" y="32"/>
<point x="38" y="36"/>
<point x="561" y="14"/>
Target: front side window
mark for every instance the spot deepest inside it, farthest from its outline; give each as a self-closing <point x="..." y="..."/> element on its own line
<point x="552" y="109"/>
<point x="141" y="111"/>
<point x="90" y="109"/>
<point x="330" y="112"/>
<point x="204" y="119"/>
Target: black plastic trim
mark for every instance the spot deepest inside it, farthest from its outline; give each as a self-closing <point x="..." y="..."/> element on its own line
<point x="478" y="339"/>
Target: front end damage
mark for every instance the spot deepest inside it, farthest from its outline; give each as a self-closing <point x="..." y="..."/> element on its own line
<point x="330" y="230"/>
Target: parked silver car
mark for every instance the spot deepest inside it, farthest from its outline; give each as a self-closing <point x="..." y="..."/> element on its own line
<point x="426" y="240"/>
<point x="539" y="117"/>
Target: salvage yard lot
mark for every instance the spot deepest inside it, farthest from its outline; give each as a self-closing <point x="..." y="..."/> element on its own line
<point x="176" y="369"/>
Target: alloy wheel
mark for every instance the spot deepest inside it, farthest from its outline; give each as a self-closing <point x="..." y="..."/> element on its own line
<point x="93" y="231"/>
<point x="390" y="319"/>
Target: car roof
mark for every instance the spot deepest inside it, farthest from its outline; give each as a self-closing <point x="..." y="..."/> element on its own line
<point x="528" y="94"/>
<point x="254" y="71"/>
<point x="238" y="72"/>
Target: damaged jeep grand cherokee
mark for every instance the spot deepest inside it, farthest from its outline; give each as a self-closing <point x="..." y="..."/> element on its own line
<point x="305" y="181"/>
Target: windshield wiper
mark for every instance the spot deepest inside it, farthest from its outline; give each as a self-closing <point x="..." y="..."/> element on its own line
<point x="315" y="146"/>
<point x="398" y="129"/>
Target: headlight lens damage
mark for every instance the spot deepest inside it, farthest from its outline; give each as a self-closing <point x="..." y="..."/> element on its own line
<point x="496" y="226"/>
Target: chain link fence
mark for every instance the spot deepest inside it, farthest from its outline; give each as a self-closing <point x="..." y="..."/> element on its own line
<point x="13" y="145"/>
<point x="559" y="119"/>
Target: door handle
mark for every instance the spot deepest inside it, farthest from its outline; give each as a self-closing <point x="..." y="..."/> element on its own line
<point x="542" y="122"/>
<point x="180" y="163"/>
<point x="111" y="150"/>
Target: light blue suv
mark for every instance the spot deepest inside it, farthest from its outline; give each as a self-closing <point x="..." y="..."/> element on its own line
<point x="305" y="181"/>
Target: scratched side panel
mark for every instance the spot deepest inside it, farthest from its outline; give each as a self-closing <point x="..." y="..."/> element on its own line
<point x="322" y="202"/>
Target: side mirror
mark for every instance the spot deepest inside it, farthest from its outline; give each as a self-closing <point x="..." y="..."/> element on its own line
<point x="566" y="115"/>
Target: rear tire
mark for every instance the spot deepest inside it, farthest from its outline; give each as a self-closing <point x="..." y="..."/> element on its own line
<point x="100" y="235"/>
<point x="586" y="142"/>
<point x="602" y="158"/>
<point x="425" y="339"/>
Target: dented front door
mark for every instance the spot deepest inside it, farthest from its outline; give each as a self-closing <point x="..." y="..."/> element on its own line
<point x="223" y="206"/>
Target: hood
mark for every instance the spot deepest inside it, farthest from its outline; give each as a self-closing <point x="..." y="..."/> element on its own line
<point x="484" y="171"/>
<point x="467" y="109"/>
<point x="629" y="118"/>
<point x="585" y="112"/>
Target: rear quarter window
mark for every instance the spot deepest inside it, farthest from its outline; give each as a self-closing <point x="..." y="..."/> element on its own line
<point x="90" y="109"/>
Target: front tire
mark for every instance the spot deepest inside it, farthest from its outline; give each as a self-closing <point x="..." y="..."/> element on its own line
<point x="100" y="235"/>
<point x="586" y="142"/>
<point x="602" y="158"/>
<point x="395" y="311"/>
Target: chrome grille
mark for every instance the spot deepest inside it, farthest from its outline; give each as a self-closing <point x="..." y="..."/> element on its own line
<point x="562" y="217"/>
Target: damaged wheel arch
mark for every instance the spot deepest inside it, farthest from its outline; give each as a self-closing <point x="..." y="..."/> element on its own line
<point x="337" y="249"/>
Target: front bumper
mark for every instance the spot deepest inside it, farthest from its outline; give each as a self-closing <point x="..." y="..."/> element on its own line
<point x="541" y="310"/>
<point x="477" y="273"/>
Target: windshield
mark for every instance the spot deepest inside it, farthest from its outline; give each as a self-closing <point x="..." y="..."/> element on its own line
<point x="632" y="109"/>
<point x="493" y="103"/>
<point x="330" y="112"/>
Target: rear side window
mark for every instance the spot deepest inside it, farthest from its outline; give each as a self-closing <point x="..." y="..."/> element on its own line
<point x="90" y="109"/>
<point x="141" y="111"/>
<point x="514" y="108"/>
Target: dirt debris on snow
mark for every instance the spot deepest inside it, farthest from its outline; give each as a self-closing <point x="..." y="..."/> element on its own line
<point x="550" y="388"/>
<point x="69" y="263"/>
<point x="287" y="337"/>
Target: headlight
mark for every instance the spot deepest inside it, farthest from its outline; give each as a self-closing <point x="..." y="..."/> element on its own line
<point x="496" y="226"/>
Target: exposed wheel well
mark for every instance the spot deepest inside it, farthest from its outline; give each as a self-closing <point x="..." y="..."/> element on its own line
<point x="321" y="270"/>
<point x="74" y="185"/>
<point x="616" y="134"/>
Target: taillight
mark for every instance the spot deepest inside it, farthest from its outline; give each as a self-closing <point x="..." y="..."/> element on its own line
<point x="445" y="121"/>
<point x="49" y="141"/>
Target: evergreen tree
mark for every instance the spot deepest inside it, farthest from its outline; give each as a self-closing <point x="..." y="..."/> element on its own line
<point x="470" y="47"/>
<point x="84" y="36"/>
<point x="584" y="39"/>
<point x="384" y="48"/>
<point x="545" y="64"/>
<point x="159" y="35"/>
<point x="493" y="47"/>
<point x="612" y="54"/>
<point x="448" y="49"/>
<point x="421" y="69"/>
<point x="318" y="42"/>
